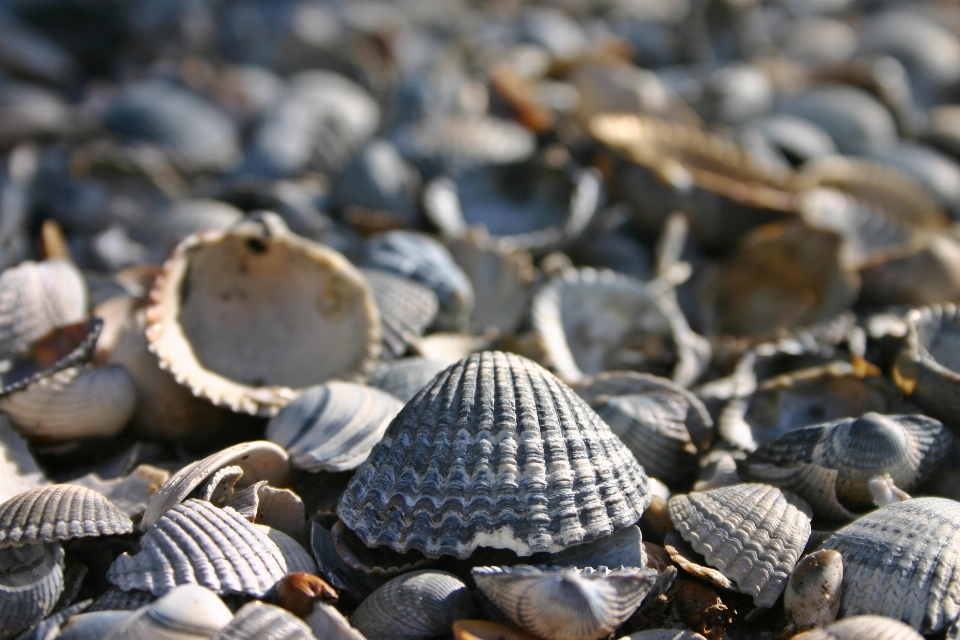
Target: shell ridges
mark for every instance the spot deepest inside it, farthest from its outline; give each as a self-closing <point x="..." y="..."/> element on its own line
<point x="59" y="513"/>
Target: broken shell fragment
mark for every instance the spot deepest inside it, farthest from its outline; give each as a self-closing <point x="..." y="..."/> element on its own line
<point x="58" y="513"/>
<point x="812" y="596"/>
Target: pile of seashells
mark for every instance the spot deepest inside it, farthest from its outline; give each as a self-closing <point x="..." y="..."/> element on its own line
<point x="332" y="320"/>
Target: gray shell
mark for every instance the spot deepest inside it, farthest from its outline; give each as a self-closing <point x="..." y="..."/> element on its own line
<point x="188" y="612"/>
<point x="863" y="628"/>
<point x="566" y="604"/>
<point x="664" y="634"/>
<point x="928" y="368"/>
<point x="835" y="462"/>
<point x="495" y="452"/>
<point x="663" y="424"/>
<point x="37" y="297"/>
<point x="404" y="378"/>
<point x="196" y="542"/>
<point x="406" y="308"/>
<point x="751" y="533"/>
<point x="116" y="599"/>
<point x="31" y="581"/>
<point x="333" y="426"/>
<point x="902" y="561"/>
<point x="458" y="143"/>
<point x="812" y="596"/>
<point x="58" y="513"/>
<point x="258" y="620"/>
<point x="90" y="625"/>
<point x="420" y="604"/>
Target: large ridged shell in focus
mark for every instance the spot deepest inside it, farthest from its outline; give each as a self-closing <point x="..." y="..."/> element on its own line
<point x="31" y="581"/>
<point x="59" y="513"/>
<point x="188" y="612"/>
<point x="903" y="561"/>
<point x="259" y="460"/>
<point x="751" y="533"/>
<point x="37" y="297"/>
<point x="247" y="317"/>
<point x="663" y="424"/>
<point x="404" y="378"/>
<point x="835" y="462"/>
<point x="407" y="308"/>
<point x="928" y="368"/>
<point x="566" y="604"/>
<point x="495" y="452"/>
<point x="195" y="542"/>
<point x="593" y="321"/>
<point x="257" y="620"/>
<point x="333" y="426"/>
<point x="862" y="628"/>
<point x="420" y="604"/>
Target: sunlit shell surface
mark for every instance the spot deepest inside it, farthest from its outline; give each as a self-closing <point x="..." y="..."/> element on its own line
<point x="258" y="620"/>
<point x="903" y="561"/>
<point x="406" y="308"/>
<point x="928" y="368"/>
<point x="187" y="612"/>
<point x="494" y="452"/>
<point x="247" y="316"/>
<point x="749" y="532"/>
<point x="31" y="581"/>
<point x="566" y="604"/>
<point x="58" y="513"/>
<point x="405" y="377"/>
<point x="865" y="627"/>
<point x="812" y="596"/>
<point x="36" y="297"/>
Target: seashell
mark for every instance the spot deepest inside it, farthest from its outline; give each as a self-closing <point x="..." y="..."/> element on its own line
<point x="451" y="426"/>
<point x="19" y="470"/>
<point x="378" y="562"/>
<point x="421" y="258"/>
<point x="927" y="370"/>
<point x="350" y="582"/>
<point x="114" y="599"/>
<point x="326" y="622"/>
<point x="664" y="634"/>
<point x="663" y="424"/>
<point x="195" y="135"/>
<point x="36" y="298"/>
<point x="928" y="273"/>
<point x="718" y="468"/>
<point x="28" y="110"/>
<point x="862" y="628"/>
<point x="450" y="347"/>
<point x="406" y="310"/>
<point x="405" y="377"/>
<point x="683" y="555"/>
<point x="623" y="548"/>
<point x="857" y="122"/>
<point x="258" y="620"/>
<point x="197" y="543"/>
<point x="164" y="231"/>
<point x="77" y="402"/>
<point x="799" y="141"/>
<point x="938" y="173"/>
<point x="259" y="460"/>
<point x="421" y="604"/>
<point x="238" y="313"/>
<point x="486" y="630"/>
<point x="726" y="190"/>
<point x="58" y="513"/>
<point x="297" y="592"/>
<point x="28" y="52"/>
<point x="812" y="596"/>
<point x="831" y="465"/>
<point x="566" y="604"/>
<point x="295" y="557"/>
<point x="594" y="321"/>
<point x="186" y="612"/>
<point x="333" y="427"/>
<point x="31" y="581"/>
<point x="900" y="561"/>
<point x="93" y="625"/>
<point x="131" y="493"/>
<point x="751" y="533"/>
<point x="534" y="205"/>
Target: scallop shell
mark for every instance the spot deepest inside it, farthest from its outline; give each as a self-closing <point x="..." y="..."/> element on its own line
<point x="663" y="424"/>
<point x="259" y="460"/>
<point x="830" y="466"/>
<point x="901" y="561"/>
<point x="266" y="313"/>
<point x="566" y="604"/>
<point x="37" y="297"/>
<point x="593" y="321"/>
<point x="404" y="378"/>
<point x="197" y="543"/>
<point x="862" y="628"/>
<point x="503" y="455"/>
<point x="378" y="562"/>
<point x="295" y="557"/>
<point x="406" y="310"/>
<point x="58" y="513"/>
<point x="333" y="427"/>
<point x="31" y="581"/>
<point x="129" y="493"/>
<point x="258" y="620"/>
<point x="78" y="402"/>
<point x="421" y="604"/>
<point x="927" y="369"/>
<point x="751" y="533"/>
<point x="188" y="612"/>
<point x="812" y="596"/>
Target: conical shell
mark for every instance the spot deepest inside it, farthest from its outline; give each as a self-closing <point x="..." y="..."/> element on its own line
<point x="862" y="628"/>
<point x="188" y="612"/>
<point x="902" y="561"/>
<point x="198" y="543"/>
<point x="495" y="452"/>
<point x="333" y="426"/>
<point x="566" y="604"/>
<point x="59" y="513"/>
<point x="908" y="448"/>
<point x="749" y="532"/>
<point x="31" y="581"/>
<point x="37" y="297"/>
<point x="406" y="310"/>
<point x="405" y="377"/>
<point x="257" y="620"/>
<point x="928" y="369"/>
<point x="247" y="317"/>
<point x="421" y="604"/>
